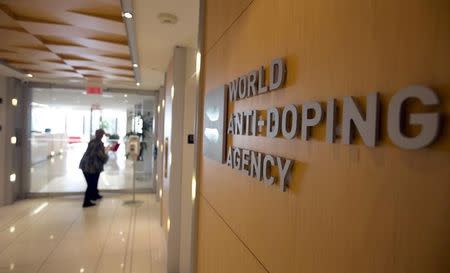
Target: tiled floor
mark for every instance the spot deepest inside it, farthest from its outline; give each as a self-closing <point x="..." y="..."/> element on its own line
<point x="61" y="173"/>
<point x="57" y="236"/>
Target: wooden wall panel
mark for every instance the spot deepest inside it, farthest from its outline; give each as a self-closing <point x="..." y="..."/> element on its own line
<point x="350" y="208"/>
<point x="221" y="14"/>
<point x="220" y="251"/>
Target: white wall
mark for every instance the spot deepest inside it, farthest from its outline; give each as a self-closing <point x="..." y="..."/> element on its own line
<point x="12" y="120"/>
<point x="3" y="172"/>
<point x="179" y="113"/>
<point x="187" y="205"/>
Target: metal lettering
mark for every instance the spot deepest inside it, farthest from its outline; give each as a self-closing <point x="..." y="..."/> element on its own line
<point x="284" y="167"/>
<point x="273" y="122"/>
<point x="277" y="74"/>
<point x="428" y="121"/>
<point x="233" y="90"/>
<point x="237" y="160"/>
<point x="289" y="121"/>
<point x="230" y="158"/>
<point x="331" y="120"/>
<point x="268" y="162"/>
<point x="368" y="127"/>
<point x="242" y="88"/>
<point x="262" y="88"/>
<point x="255" y="165"/>
<point x="245" y="161"/>
<point x="238" y="124"/>
<point x="308" y="122"/>
<point x="252" y="83"/>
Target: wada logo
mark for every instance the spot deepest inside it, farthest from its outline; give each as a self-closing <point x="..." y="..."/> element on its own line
<point x="214" y="124"/>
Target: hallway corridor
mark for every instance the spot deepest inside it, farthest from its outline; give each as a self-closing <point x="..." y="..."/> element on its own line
<point x="56" y="235"/>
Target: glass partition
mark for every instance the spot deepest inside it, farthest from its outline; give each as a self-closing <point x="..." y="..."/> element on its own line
<point x="63" y="122"/>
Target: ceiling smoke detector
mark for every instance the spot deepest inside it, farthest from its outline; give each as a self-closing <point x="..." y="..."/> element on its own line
<point x="167" y="18"/>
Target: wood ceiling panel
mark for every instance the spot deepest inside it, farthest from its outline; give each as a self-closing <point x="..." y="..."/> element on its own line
<point x="5" y="18"/>
<point x="37" y="53"/>
<point x="56" y="30"/>
<point x="12" y="56"/>
<point x="104" y="72"/>
<point x="65" y="39"/>
<point x="63" y="49"/>
<point x="17" y="38"/>
<point x="48" y="66"/>
<point x="58" y="74"/>
<point x="119" y="78"/>
<point x="95" y="23"/>
<point x="111" y="47"/>
<point x="97" y="65"/>
<point x="105" y="60"/>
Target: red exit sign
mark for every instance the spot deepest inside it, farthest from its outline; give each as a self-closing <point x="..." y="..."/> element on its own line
<point x="95" y="90"/>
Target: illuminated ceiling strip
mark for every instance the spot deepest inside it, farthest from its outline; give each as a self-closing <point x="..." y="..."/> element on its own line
<point x="130" y="26"/>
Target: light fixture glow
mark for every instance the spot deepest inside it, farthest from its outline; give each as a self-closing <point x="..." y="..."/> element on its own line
<point x="52" y="153"/>
<point x="13" y="140"/>
<point x="14" y="102"/>
<point x="156" y="177"/>
<point x="194" y="187"/>
<point x="11" y="267"/>
<point x="31" y="170"/>
<point x="172" y="91"/>
<point x="127" y="15"/>
<point x="12" y="229"/>
<point x="168" y="224"/>
<point x="198" y="63"/>
<point x="12" y="177"/>
<point x="52" y="237"/>
<point x="126" y="96"/>
<point x="81" y="270"/>
<point x="138" y="84"/>
<point x="159" y="109"/>
<point x="160" y="193"/>
<point x="29" y="75"/>
<point x="135" y="65"/>
<point x="163" y="102"/>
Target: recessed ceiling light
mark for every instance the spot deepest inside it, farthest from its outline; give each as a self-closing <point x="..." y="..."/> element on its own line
<point x="127" y="15"/>
<point x="135" y="65"/>
<point x="125" y="95"/>
<point x="29" y="75"/>
<point x="138" y="84"/>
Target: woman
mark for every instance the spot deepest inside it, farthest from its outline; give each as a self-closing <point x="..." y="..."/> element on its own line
<point x="92" y="165"/>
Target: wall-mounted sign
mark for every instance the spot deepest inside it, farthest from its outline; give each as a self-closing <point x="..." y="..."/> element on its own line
<point x="214" y="140"/>
<point x="297" y="121"/>
<point x="94" y="90"/>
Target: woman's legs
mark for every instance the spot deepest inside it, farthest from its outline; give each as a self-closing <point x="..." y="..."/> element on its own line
<point x="96" y="194"/>
<point x="90" y="190"/>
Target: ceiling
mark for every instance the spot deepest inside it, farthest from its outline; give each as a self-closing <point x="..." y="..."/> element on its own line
<point x="76" y="41"/>
<point x="156" y="41"/>
<point x="78" y="99"/>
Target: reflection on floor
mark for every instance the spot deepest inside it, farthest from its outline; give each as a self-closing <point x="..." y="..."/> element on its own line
<point x="56" y="235"/>
<point x="61" y="173"/>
